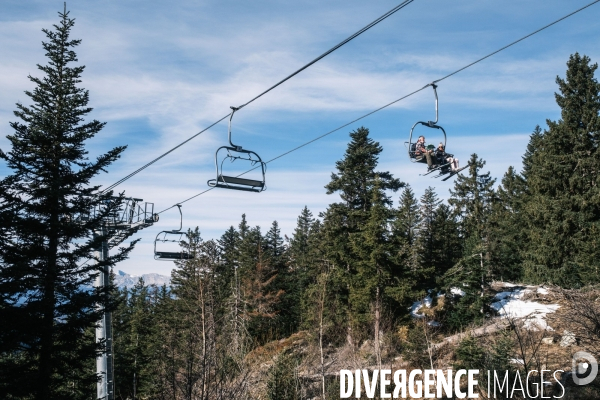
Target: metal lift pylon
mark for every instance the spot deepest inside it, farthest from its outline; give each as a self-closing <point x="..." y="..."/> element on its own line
<point x="129" y="217"/>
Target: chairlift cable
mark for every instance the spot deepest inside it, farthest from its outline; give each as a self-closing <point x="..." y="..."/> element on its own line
<point x="334" y="48"/>
<point x="517" y="41"/>
<point x="399" y="99"/>
<point x="137" y="171"/>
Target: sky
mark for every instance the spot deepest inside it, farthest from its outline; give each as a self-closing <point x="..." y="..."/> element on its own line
<point x="159" y="72"/>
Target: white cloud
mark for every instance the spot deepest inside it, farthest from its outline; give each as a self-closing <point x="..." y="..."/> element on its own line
<point x="159" y="73"/>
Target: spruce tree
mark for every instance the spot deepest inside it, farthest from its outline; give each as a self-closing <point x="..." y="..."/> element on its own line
<point x="357" y="183"/>
<point x="425" y="245"/>
<point x="472" y="200"/>
<point x="46" y="351"/>
<point x="299" y="248"/>
<point x="532" y="146"/>
<point x="404" y="236"/>
<point x="407" y="216"/>
<point x="563" y="209"/>
<point x="375" y="269"/>
<point x="447" y="246"/>
<point x="285" y="282"/>
<point x="507" y="233"/>
<point x="133" y="327"/>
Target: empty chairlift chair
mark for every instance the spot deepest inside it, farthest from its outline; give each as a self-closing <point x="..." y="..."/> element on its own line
<point x="232" y="153"/>
<point x="167" y="245"/>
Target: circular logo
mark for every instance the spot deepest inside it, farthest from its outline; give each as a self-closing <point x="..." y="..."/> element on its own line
<point x="585" y="368"/>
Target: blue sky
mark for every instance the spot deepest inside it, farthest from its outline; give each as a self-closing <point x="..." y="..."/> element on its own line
<point x="159" y="72"/>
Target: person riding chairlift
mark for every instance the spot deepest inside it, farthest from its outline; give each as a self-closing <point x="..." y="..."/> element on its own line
<point x="421" y="150"/>
<point x="442" y="158"/>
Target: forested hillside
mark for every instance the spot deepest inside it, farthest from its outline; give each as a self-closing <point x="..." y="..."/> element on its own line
<point x="383" y="276"/>
<point x="350" y="275"/>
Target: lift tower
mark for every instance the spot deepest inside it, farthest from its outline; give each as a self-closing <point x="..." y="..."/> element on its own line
<point x="128" y="217"/>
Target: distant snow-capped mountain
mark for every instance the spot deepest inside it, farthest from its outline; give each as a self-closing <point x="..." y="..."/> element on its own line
<point x="123" y="279"/>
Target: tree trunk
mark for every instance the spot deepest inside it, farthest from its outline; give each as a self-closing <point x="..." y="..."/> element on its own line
<point x="377" y="325"/>
<point x="321" y="312"/>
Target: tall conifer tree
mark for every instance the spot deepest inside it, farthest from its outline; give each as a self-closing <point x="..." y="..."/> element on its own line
<point x="563" y="209"/>
<point x="425" y="245"/>
<point x="357" y="183"/>
<point x="45" y="352"/>
<point x="507" y="227"/>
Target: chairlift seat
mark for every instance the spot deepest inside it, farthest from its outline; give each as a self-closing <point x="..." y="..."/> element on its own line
<point x="240" y="181"/>
<point x="166" y="255"/>
<point x="167" y="241"/>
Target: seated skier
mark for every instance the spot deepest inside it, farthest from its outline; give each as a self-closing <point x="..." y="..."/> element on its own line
<point x="421" y="150"/>
<point x="444" y="158"/>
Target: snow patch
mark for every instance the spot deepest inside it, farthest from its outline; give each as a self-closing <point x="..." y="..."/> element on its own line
<point x="414" y="309"/>
<point x="510" y="304"/>
<point x="542" y="290"/>
<point x="457" y="291"/>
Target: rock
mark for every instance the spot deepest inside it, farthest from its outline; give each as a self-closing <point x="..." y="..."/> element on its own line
<point x="548" y="340"/>
<point x="568" y="339"/>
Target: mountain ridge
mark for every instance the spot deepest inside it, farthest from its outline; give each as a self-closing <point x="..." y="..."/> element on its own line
<point x="125" y="280"/>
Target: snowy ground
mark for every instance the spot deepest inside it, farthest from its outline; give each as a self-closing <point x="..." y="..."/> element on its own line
<point x="508" y="303"/>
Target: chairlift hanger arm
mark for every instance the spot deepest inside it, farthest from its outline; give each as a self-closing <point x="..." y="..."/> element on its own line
<point x="233" y="110"/>
<point x="434" y="86"/>
<point x="180" y="217"/>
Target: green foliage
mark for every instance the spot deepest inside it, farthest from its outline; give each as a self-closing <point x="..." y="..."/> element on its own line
<point x="472" y="199"/>
<point x="562" y="213"/>
<point x="283" y="382"/>
<point x="426" y="241"/>
<point x="134" y="341"/>
<point x="47" y="350"/>
<point x="447" y="245"/>
<point x="494" y="356"/>
<point x="356" y="230"/>
<point x="469" y="354"/>
<point x="346" y="277"/>
<point x="507" y="233"/>
<point x="416" y="348"/>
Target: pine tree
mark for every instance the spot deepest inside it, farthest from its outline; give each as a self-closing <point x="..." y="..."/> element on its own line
<point x="532" y="147"/>
<point x="472" y="200"/>
<point x="286" y="283"/>
<point x="299" y="248"/>
<point x="133" y="323"/>
<point x="425" y="245"/>
<point x="273" y="243"/>
<point x="357" y="182"/>
<point x="375" y="268"/>
<point x="407" y="217"/>
<point x="234" y="316"/>
<point x="506" y="226"/>
<point x="258" y="293"/>
<point x="563" y="209"/>
<point x="302" y="254"/>
<point x="45" y="352"/>
<point x="447" y="246"/>
<point x="404" y="236"/>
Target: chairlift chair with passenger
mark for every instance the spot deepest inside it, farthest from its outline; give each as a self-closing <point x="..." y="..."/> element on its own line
<point x="234" y="153"/>
<point x="444" y="167"/>
<point x="411" y="145"/>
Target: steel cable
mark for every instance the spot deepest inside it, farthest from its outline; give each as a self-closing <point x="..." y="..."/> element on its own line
<point x="401" y="98"/>
<point x="334" y="48"/>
